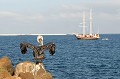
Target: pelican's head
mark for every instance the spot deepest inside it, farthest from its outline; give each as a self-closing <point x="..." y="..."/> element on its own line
<point x="40" y="39"/>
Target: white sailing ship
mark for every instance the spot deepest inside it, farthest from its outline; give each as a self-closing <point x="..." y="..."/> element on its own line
<point x="89" y="36"/>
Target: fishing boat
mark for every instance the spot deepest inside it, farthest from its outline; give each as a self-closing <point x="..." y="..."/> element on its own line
<point x="89" y="36"/>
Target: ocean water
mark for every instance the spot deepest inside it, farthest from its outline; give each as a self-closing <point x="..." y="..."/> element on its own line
<point x="73" y="59"/>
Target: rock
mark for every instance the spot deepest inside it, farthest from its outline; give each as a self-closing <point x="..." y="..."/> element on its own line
<point x="30" y="70"/>
<point x="6" y="69"/>
<point x="4" y="73"/>
<point x="45" y="75"/>
<point x="23" y="70"/>
<point x="24" y="67"/>
<point x="39" y="69"/>
<point x="26" y="75"/>
<point x="13" y="77"/>
<point x="6" y="63"/>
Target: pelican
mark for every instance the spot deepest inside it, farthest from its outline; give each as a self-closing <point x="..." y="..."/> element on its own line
<point x="38" y="51"/>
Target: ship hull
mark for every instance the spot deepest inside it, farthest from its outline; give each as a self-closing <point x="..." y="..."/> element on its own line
<point x="87" y="37"/>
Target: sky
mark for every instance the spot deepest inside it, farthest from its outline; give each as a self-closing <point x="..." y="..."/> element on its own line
<point x="58" y="16"/>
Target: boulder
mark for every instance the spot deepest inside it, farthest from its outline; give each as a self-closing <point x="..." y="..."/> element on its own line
<point x="7" y="69"/>
<point x="31" y="70"/>
<point x="6" y="63"/>
<point x="45" y="75"/>
<point x="13" y="77"/>
<point x="23" y="70"/>
<point x="4" y="73"/>
<point x="26" y="75"/>
<point x="24" y="67"/>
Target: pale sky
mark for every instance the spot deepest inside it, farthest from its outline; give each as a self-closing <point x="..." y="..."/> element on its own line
<point x="58" y="16"/>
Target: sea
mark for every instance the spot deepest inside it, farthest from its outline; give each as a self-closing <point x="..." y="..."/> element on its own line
<point x="73" y="59"/>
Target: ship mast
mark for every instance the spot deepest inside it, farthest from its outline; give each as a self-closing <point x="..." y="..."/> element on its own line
<point x="91" y="23"/>
<point x="84" y="25"/>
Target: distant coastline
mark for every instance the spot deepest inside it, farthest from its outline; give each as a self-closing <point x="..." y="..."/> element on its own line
<point x="28" y="34"/>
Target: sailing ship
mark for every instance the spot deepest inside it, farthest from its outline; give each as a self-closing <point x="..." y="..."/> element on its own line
<point x="89" y="36"/>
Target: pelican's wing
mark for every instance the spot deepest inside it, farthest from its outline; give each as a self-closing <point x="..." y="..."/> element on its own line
<point x="23" y="48"/>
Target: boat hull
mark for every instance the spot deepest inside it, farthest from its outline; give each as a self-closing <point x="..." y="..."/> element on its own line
<point x="87" y="37"/>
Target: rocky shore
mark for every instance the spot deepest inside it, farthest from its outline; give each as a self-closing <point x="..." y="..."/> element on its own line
<point x="23" y="70"/>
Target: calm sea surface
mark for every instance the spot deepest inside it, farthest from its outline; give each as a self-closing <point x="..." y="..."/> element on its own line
<point x="74" y="59"/>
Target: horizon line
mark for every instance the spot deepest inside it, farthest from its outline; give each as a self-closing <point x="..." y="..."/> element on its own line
<point x="45" y="34"/>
